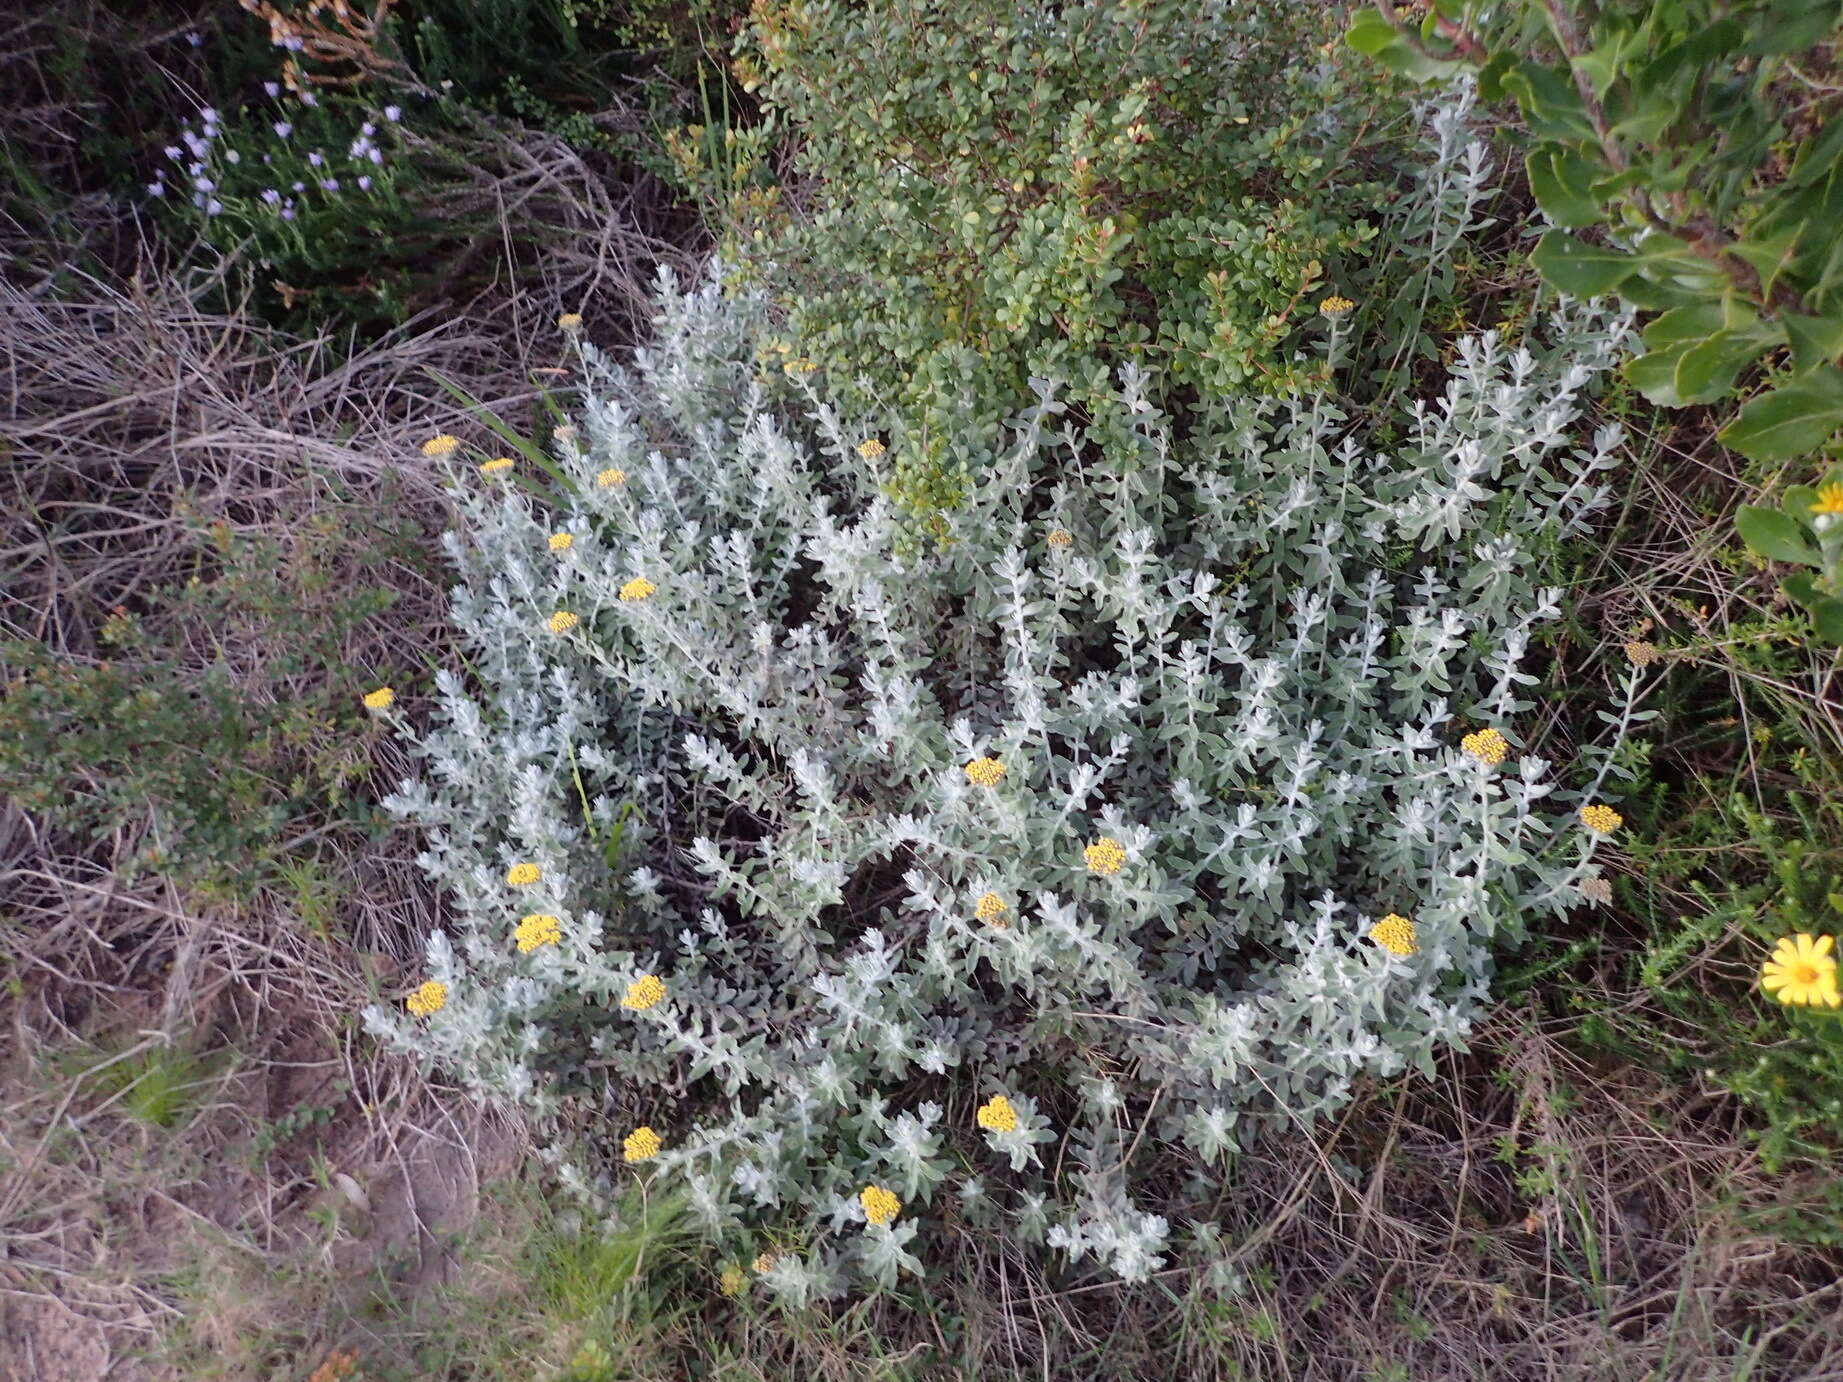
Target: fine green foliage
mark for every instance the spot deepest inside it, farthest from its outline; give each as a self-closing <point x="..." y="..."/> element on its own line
<point x="1091" y="804"/>
<point x="1703" y="137"/>
<point x="987" y="197"/>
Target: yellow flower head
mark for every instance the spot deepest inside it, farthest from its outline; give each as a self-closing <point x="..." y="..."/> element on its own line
<point x="381" y="699"/>
<point x="985" y="772"/>
<point x="430" y="998"/>
<point x="642" y="1144"/>
<point x="733" y="1281"/>
<point x="765" y="1260"/>
<point x="1602" y="820"/>
<point x="991" y="910"/>
<point x="1060" y="537"/>
<point x="523" y="875"/>
<point x="562" y="621"/>
<point x="1335" y="306"/>
<point x="440" y="446"/>
<point x="497" y="466"/>
<point x="1395" y="934"/>
<point x="645" y="992"/>
<point x="870" y="448"/>
<point x="540" y="928"/>
<point x="880" y="1206"/>
<point x="1802" y="972"/>
<point x="611" y="477"/>
<point x="1642" y="653"/>
<point x="639" y="588"/>
<point x="561" y="542"/>
<point x="1105" y="856"/>
<point x="1487" y="746"/>
<point x="800" y="366"/>
<point x="569" y="321"/>
<point x="1829" y="498"/>
<point x="997" y="1115"/>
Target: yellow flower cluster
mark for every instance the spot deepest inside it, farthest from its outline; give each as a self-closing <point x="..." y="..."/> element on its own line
<point x="561" y="542"/>
<point x="523" y="875"/>
<point x="1602" y="820"/>
<point x="765" y="1260"/>
<point x="1487" y="746"/>
<point x="639" y="588"/>
<point x="997" y="1115"/>
<point x="1829" y="498"/>
<point x="1060" y="537"/>
<point x="1802" y="972"/>
<point x="497" y="465"/>
<point x="611" y="477"/>
<point x="733" y="1281"/>
<point x="1335" y="306"/>
<point x="440" y="446"/>
<point x="991" y="910"/>
<point x="985" y="772"/>
<point x="870" y="448"/>
<point x="799" y="366"/>
<point x="381" y="699"/>
<point x="1105" y="856"/>
<point x="429" y="999"/>
<point x="642" y="1144"/>
<point x="1642" y="652"/>
<point x="562" y="621"/>
<point x="1395" y="934"/>
<point x="569" y="321"/>
<point x="645" y="992"/>
<point x="540" y="928"/>
<point x="880" y="1206"/>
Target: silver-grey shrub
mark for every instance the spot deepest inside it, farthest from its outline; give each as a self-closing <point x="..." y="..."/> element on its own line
<point x="1249" y="666"/>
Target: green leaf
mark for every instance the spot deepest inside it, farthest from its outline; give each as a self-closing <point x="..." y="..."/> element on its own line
<point x="1696" y="322"/>
<point x="1706" y="370"/>
<point x="1579" y="269"/>
<point x="1815" y="341"/>
<point x="1551" y="106"/>
<point x="1371" y="33"/>
<point x="1774" y="535"/>
<point x="1563" y="183"/>
<point x="1768" y="257"/>
<point x="1802" y="587"/>
<point x="1789" y="421"/>
<point x="1654" y="374"/>
<point x="1827" y="619"/>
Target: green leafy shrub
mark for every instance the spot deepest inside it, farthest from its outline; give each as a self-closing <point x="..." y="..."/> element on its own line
<point x="1134" y="811"/>
<point x="1703" y="139"/>
<point x="994" y="193"/>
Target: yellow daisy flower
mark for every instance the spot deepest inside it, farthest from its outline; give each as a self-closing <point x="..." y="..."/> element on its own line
<point x="523" y="875"/>
<point x="498" y="465"/>
<point x="1395" y="934"/>
<point x="381" y="699"/>
<point x="569" y="321"/>
<point x="997" y="1115"/>
<point x="765" y="1260"/>
<point x="1487" y="746"/>
<point x="1060" y="537"/>
<point x="639" y="588"/>
<point x="540" y="928"/>
<point x="1105" y="856"/>
<point x="1802" y="972"/>
<point x="880" y="1206"/>
<point x="1335" y="306"/>
<point x="870" y="448"/>
<point x="611" y="477"/>
<point x="561" y="542"/>
<point x="562" y="621"/>
<point x="428" y="999"/>
<point x="1642" y="652"/>
<point x="645" y="992"/>
<point x="1829" y="498"/>
<point x="440" y="446"/>
<point x="991" y="910"/>
<point x="1602" y="820"/>
<point x="642" y="1144"/>
<point x="985" y="772"/>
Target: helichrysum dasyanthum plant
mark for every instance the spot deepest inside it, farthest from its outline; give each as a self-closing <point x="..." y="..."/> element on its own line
<point x="1131" y="816"/>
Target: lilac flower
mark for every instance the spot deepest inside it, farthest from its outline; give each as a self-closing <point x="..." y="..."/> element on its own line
<point x="209" y="115"/>
<point x="367" y="129"/>
<point x="314" y="160"/>
<point x="271" y="196"/>
<point x="195" y="38"/>
<point x="273" y="88"/>
<point x="299" y="187"/>
<point x="364" y="184"/>
<point x="288" y="212"/>
<point x="156" y="189"/>
<point x="204" y="184"/>
<point x="283" y="129"/>
<point x="376" y="157"/>
<point x="330" y="184"/>
<point x="294" y="43"/>
<point x="393" y="113"/>
<point x="309" y="99"/>
<point x="213" y="206"/>
<point x="268" y="158"/>
<point x="172" y="151"/>
<point x="232" y="156"/>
